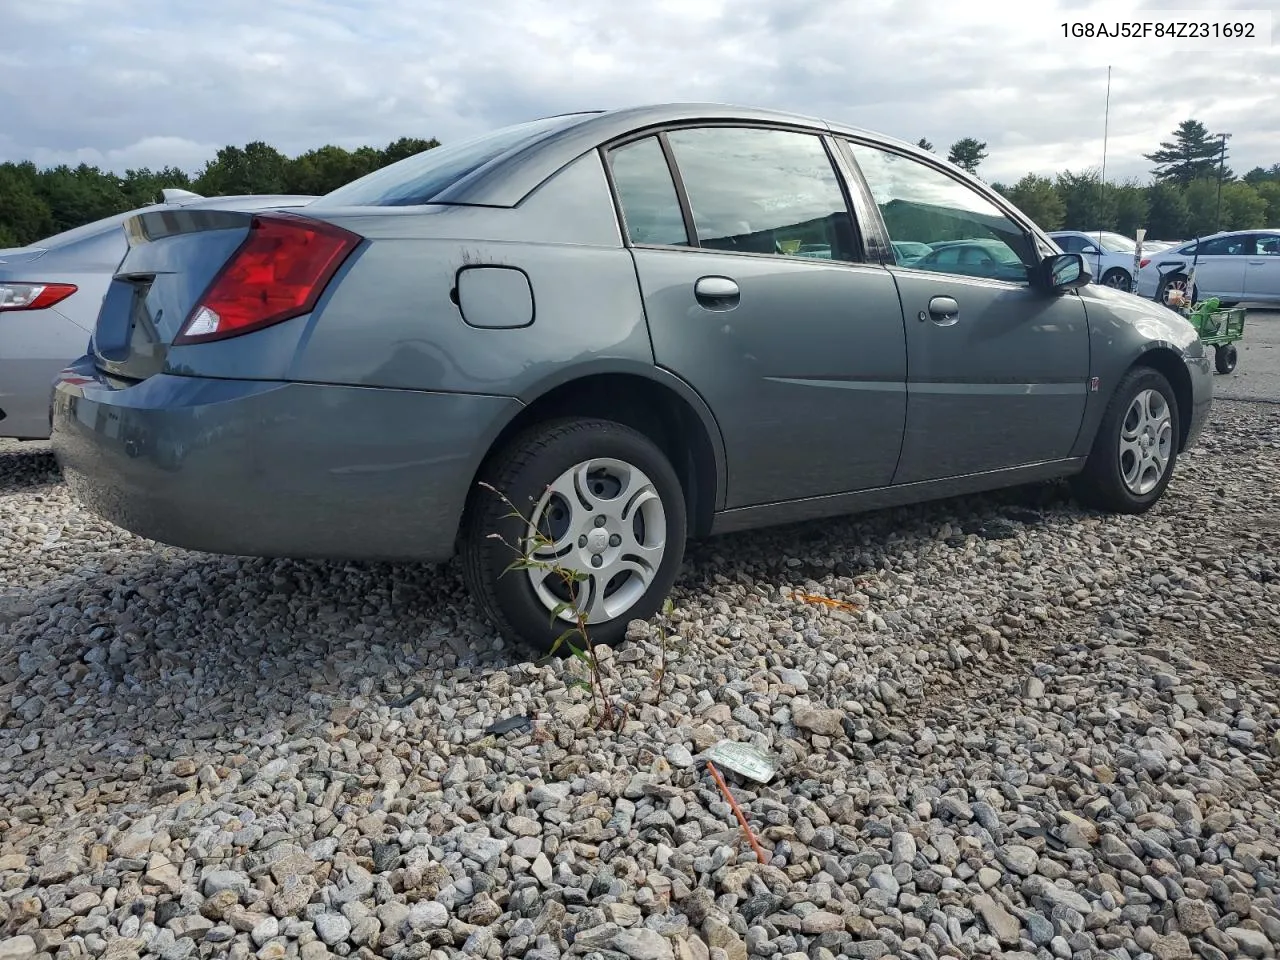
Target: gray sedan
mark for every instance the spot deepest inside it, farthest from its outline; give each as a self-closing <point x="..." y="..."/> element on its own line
<point x="50" y="293"/>
<point x="638" y="326"/>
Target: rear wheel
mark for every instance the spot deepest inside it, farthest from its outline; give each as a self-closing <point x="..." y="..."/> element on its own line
<point x="1175" y="282"/>
<point x="1118" y="278"/>
<point x="1136" y="446"/>
<point x="1224" y="358"/>
<point x="601" y="503"/>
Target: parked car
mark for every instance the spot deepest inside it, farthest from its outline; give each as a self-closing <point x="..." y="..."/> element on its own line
<point x="50" y="293"/>
<point x="1109" y="255"/>
<point x="908" y="251"/>
<point x="1234" y="266"/>
<point x="597" y="316"/>
<point x="992" y="259"/>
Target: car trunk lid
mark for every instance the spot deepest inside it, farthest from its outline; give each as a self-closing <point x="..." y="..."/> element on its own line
<point x="192" y="275"/>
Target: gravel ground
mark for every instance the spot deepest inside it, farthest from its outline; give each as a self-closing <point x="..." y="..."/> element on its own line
<point x="1027" y="731"/>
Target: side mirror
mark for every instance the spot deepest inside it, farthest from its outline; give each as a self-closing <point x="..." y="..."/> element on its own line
<point x="1066" y="271"/>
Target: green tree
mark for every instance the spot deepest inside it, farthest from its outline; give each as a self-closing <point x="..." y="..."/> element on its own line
<point x="1243" y="208"/>
<point x="1089" y="205"/>
<point x="1262" y="174"/>
<point x="1269" y="191"/>
<point x="1036" y="197"/>
<point x="407" y="147"/>
<point x="1132" y="207"/>
<point x="257" y="168"/>
<point x="82" y="195"/>
<point x="1192" y="153"/>
<point x="968" y="153"/>
<point x="1168" y="213"/>
<point x="924" y="144"/>
<point x="24" y="214"/>
<point x="143" y="186"/>
<point x="1202" y="206"/>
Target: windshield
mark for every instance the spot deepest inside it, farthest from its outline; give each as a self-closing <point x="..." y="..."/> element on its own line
<point x="418" y="179"/>
<point x="1114" y="242"/>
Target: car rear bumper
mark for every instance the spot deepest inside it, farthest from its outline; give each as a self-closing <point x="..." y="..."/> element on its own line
<point x="272" y="469"/>
<point x="34" y="346"/>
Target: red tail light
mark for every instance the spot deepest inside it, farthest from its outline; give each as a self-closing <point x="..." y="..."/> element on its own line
<point x="33" y="296"/>
<point x="278" y="273"/>
<point x="1143" y="262"/>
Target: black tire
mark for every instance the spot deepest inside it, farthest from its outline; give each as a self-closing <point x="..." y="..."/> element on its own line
<point x="1173" y="280"/>
<point x="1101" y="484"/>
<point x="1225" y="357"/>
<point x="522" y="472"/>
<point x="1118" y="278"/>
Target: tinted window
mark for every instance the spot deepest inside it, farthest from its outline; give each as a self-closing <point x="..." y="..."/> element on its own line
<point x="1269" y="246"/>
<point x="763" y="191"/>
<point x="647" y="195"/>
<point x="1234" y="246"/>
<point x="417" y="179"/>
<point x="924" y="205"/>
<point x="1070" y="243"/>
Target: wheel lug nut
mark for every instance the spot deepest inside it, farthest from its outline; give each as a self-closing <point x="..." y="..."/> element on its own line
<point x="600" y="521"/>
<point x="597" y="560"/>
<point x="582" y="540"/>
<point x="615" y="540"/>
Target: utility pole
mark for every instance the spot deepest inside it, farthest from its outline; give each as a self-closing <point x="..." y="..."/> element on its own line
<point x="1222" y="164"/>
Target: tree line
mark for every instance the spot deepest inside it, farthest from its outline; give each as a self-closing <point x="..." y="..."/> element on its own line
<point x="1182" y="200"/>
<point x="37" y="203"/>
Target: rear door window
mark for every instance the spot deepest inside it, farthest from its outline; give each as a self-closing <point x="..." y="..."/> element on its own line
<point x="647" y="195"/>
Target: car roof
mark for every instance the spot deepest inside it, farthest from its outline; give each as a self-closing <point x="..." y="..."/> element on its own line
<point x="508" y="179"/>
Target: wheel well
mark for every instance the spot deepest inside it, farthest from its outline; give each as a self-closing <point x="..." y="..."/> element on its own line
<point x="644" y="405"/>
<point x="1175" y="371"/>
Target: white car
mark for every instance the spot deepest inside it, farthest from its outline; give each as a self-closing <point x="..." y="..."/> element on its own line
<point x="1109" y="255"/>
<point x="1236" y="266"/>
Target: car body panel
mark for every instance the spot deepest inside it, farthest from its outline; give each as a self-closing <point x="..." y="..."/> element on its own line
<point x="384" y="397"/>
<point x="36" y="344"/>
<point x="1002" y="385"/>
<point x="811" y="407"/>
<point x="275" y="469"/>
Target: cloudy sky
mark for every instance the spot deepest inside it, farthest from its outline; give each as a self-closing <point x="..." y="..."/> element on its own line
<point x="126" y="83"/>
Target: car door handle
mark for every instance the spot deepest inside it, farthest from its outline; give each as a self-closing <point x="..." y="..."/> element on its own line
<point x="717" y="293"/>
<point x="943" y="311"/>
<point x="1257" y="263"/>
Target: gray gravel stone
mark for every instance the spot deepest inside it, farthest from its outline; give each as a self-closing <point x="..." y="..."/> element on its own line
<point x="1021" y="729"/>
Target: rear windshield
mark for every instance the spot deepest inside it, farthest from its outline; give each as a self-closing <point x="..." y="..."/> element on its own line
<point x="420" y="178"/>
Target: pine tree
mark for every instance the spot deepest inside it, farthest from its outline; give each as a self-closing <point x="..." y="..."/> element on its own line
<point x="1191" y="154"/>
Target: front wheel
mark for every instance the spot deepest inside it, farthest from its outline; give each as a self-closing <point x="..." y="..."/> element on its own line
<point x="1117" y="278"/>
<point x="1136" y="446"/>
<point x="601" y="531"/>
<point x="1225" y="357"/>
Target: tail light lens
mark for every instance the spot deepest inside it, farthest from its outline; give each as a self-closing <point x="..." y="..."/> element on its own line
<point x="33" y="296"/>
<point x="1143" y="262"/>
<point x="277" y="273"/>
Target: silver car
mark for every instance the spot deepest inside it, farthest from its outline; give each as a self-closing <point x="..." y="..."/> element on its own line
<point x="1239" y="266"/>
<point x="638" y="326"/>
<point x="50" y="294"/>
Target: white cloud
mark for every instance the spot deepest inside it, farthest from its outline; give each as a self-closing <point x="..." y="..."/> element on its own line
<point x="155" y="82"/>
